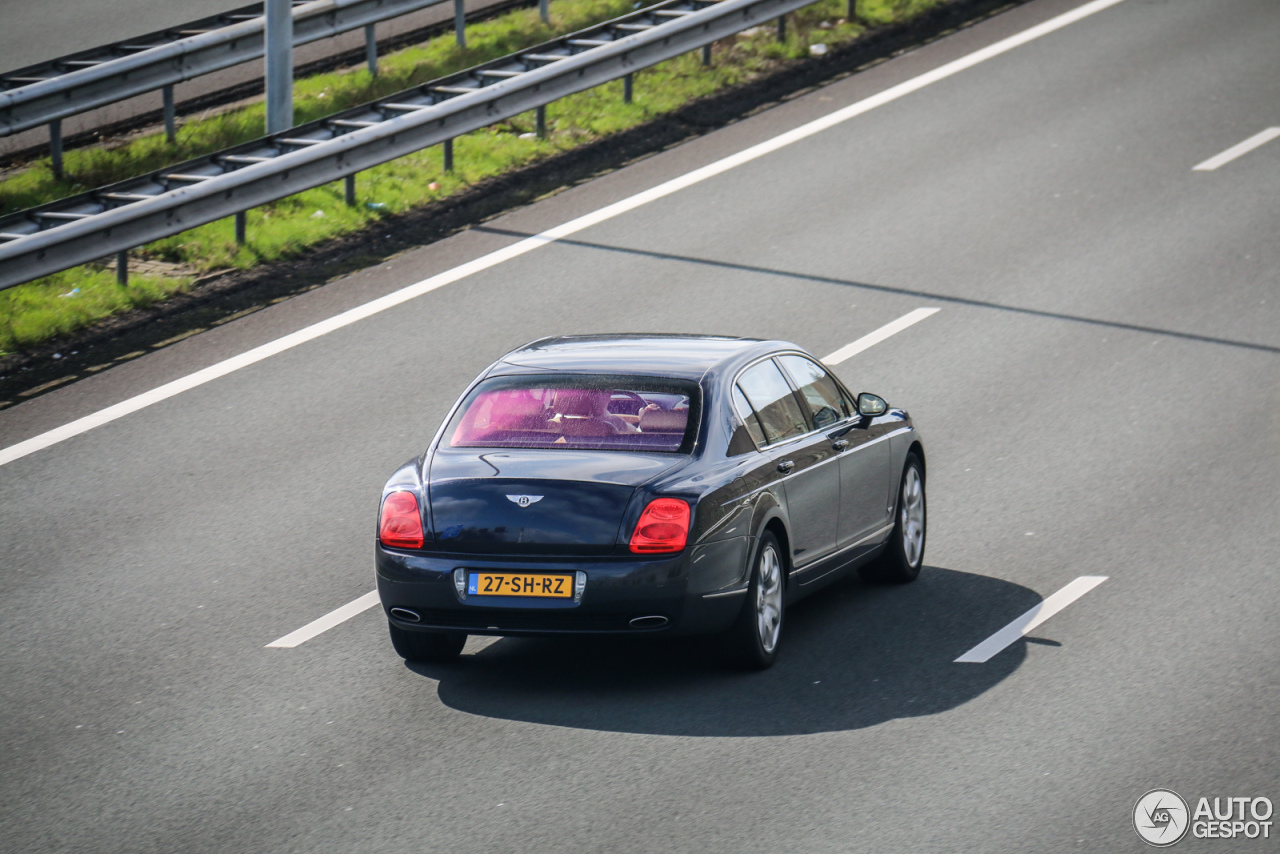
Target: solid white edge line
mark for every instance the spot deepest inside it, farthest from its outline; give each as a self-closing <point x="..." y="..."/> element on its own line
<point x="1238" y="150"/>
<point x="986" y="650"/>
<point x="328" y="621"/>
<point x="257" y="354"/>
<point x="873" y="338"/>
<point x="368" y="600"/>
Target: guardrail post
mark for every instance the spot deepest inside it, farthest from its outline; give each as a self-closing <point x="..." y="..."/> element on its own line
<point x="627" y="89"/>
<point x="350" y="187"/>
<point x="122" y="268"/>
<point x="544" y="11"/>
<point x="460" y="22"/>
<point x="55" y="146"/>
<point x="279" y="49"/>
<point x="782" y="28"/>
<point x="542" y="122"/>
<point x="371" y="49"/>
<point x="706" y="55"/>
<point x="170" y="115"/>
<point x="240" y="228"/>
<point x="448" y="155"/>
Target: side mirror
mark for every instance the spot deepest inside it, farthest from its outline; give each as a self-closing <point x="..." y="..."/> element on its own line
<point x="870" y="405"/>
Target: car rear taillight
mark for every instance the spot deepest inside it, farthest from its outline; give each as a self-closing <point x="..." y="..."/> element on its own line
<point x="400" y="525"/>
<point x="663" y="527"/>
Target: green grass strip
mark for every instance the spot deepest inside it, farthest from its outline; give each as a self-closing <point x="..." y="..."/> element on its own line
<point x="36" y="312"/>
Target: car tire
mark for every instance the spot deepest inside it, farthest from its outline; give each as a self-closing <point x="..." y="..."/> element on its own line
<point x="903" y="555"/>
<point x="755" y="637"/>
<point x="427" y="646"/>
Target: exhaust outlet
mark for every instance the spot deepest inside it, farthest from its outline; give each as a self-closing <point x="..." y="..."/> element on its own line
<point x="406" y="615"/>
<point x="653" y="622"/>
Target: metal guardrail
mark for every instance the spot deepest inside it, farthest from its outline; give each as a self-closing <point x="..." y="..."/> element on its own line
<point x="55" y="89"/>
<point x="113" y="219"/>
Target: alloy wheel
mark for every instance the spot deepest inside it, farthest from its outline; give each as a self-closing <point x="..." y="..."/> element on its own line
<point x="912" y="522"/>
<point x="769" y="599"/>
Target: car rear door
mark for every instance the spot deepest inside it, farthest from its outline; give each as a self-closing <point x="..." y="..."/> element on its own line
<point x="864" y="463"/>
<point x="803" y="457"/>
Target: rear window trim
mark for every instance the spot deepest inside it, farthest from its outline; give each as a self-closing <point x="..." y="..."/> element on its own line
<point x="736" y="390"/>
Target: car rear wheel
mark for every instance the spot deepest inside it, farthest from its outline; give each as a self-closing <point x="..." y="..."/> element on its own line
<point x="904" y="554"/>
<point x="427" y="646"/>
<point x="754" y="638"/>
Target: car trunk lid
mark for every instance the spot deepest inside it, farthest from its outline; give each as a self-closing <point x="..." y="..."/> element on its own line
<point x="535" y="502"/>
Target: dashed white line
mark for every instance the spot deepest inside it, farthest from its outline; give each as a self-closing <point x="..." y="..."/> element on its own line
<point x="328" y="621"/>
<point x="873" y="338"/>
<point x="346" y="318"/>
<point x="984" y="651"/>
<point x="368" y="600"/>
<point x="1238" y="150"/>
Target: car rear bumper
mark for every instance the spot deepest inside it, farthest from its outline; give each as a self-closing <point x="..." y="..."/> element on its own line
<point x="618" y="591"/>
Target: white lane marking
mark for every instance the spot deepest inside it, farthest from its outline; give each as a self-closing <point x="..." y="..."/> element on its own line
<point x="328" y="621"/>
<point x="368" y="600"/>
<point x="1238" y="150"/>
<point x="879" y="335"/>
<point x="235" y="363"/>
<point x="984" y="651"/>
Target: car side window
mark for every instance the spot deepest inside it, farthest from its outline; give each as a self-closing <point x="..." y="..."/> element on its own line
<point x="826" y="404"/>
<point x="773" y="401"/>
<point x="748" y="416"/>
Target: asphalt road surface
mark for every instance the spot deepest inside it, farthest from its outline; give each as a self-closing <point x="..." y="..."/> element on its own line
<point x="1098" y="390"/>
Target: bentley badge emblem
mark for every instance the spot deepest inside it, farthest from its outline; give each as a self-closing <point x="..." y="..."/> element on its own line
<point x="524" y="500"/>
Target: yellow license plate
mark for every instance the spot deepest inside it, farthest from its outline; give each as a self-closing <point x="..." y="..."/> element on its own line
<point x="520" y="584"/>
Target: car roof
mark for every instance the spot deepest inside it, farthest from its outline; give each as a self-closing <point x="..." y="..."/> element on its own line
<point x="665" y="355"/>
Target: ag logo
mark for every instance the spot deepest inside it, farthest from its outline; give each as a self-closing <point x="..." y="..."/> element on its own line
<point x="524" y="500"/>
<point x="1161" y="818"/>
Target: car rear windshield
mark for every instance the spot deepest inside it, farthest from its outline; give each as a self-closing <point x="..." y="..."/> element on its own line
<point x="599" y="412"/>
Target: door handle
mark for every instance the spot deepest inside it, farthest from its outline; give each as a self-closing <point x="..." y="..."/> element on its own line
<point x="840" y="444"/>
<point x="786" y="466"/>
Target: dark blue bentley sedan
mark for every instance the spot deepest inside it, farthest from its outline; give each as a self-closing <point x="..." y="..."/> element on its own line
<point x="652" y="484"/>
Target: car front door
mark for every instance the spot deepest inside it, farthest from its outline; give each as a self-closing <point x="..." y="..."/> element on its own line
<point x="803" y="457"/>
<point x="864" y="462"/>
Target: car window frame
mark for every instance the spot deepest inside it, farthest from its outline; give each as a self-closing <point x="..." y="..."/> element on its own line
<point x="803" y="406"/>
<point x="849" y="396"/>
<point x="848" y="399"/>
<point x="734" y="391"/>
<point x="800" y="401"/>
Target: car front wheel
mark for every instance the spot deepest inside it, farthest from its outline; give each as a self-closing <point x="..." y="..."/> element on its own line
<point x="904" y="554"/>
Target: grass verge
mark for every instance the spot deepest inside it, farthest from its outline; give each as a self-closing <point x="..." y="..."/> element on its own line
<point x="37" y="312"/>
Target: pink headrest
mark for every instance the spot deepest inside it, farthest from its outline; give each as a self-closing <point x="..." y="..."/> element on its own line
<point x="663" y="420"/>
<point x="580" y="401"/>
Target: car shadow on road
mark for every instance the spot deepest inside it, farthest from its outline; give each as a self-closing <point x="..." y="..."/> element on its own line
<point x="854" y="655"/>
